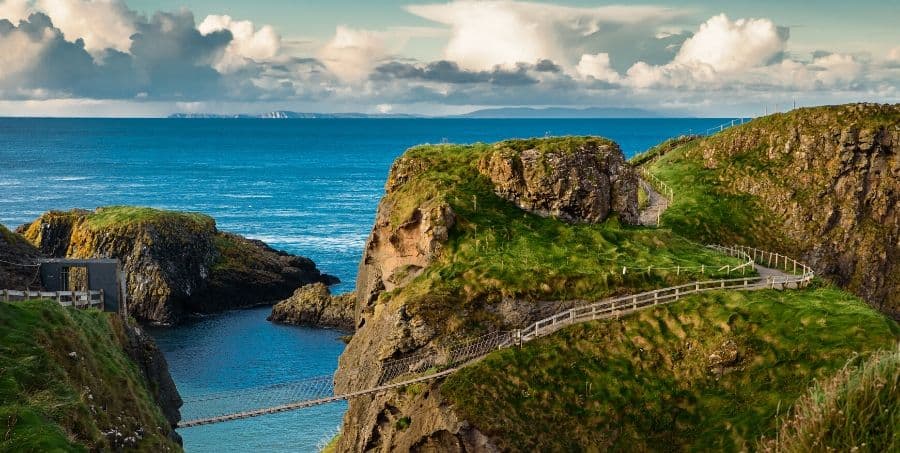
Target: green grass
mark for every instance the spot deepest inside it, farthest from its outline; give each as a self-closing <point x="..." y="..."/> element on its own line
<point x="564" y="144"/>
<point x="53" y="401"/>
<point x="128" y="215"/>
<point x="235" y="254"/>
<point x="706" y="210"/>
<point x="660" y="149"/>
<point x="643" y="198"/>
<point x="8" y="236"/>
<point x="647" y="382"/>
<point x="496" y="250"/>
<point x="857" y="409"/>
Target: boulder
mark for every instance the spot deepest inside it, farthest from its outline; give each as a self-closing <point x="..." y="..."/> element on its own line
<point x="313" y="305"/>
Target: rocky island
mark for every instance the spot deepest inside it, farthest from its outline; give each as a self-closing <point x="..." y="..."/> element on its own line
<point x="175" y="263"/>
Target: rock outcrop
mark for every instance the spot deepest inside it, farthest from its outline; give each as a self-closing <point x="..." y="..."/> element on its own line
<point x="175" y="263"/>
<point x="832" y="176"/>
<point x="17" y="259"/>
<point x="399" y="248"/>
<point x="584" y="181"/>
<point x="313" y="305"/>
<point x="574" y="179"/>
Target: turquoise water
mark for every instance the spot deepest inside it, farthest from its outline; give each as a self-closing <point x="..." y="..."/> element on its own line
<point x="305" y="186"/>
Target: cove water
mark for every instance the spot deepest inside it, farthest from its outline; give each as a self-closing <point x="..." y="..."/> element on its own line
<point x="309" y="187"/>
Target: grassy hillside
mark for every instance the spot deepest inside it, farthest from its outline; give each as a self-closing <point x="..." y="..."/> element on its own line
<point x="710" y="372"/>
<point x="707" y="210"/>
<point x="496" y="250"/>
<point x="67" y="385"/>
<point x="815" y="183"/>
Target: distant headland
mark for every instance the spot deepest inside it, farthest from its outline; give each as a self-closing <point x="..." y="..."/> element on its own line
<point x="501" y="112"/>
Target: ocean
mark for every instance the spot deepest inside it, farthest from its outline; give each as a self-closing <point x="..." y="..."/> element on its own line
<point x="309" y="187"/>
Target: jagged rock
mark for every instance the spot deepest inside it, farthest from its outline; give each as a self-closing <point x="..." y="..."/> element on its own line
<point x="175" y="263"/>
<point x="313" y="305"/>
<point x="582" y="182"/>
<point x="725" y="356"/>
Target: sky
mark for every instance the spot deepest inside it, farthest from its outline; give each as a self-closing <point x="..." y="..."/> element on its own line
<point x="675" y="57"/>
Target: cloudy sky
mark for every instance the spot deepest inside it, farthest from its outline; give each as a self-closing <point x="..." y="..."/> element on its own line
<point x="722" y="58"/>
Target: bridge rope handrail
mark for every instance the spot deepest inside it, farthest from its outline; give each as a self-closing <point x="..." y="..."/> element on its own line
<point x="441" y="363"/>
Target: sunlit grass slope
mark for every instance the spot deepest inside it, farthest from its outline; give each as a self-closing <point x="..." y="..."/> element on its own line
<point x="710" y="372"/>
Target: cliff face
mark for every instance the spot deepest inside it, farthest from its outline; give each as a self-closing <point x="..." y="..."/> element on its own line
<point x="403" y="241"/>
<point x="175" y="263"/>
<point x="313" y="305"/>
<point x="14" y="251"/>
<point x="832" y="176"/>
<point x="440" y="203"/>
<point x="582" y="183"/>
<point x="150" y="361"/>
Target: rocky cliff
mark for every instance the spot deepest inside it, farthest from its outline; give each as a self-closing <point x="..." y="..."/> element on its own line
<point x="420" y="287"/>
<point x="313" y="305"/>
<point x="583" y="182"/>
<point x="829" y="180"/>
<point x="142" y="350"/>
<point x="17" y="259"/>
<point x="175" y="263"/>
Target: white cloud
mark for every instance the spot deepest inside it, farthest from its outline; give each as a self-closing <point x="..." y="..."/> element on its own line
<point x="352" y="54"/>
<point x="17" y="51"/>
<point x="101" y="24"/>
<point x="248" y="42"/>
<point x="597" y="67"/>
<point x="14" y="10"/>
<point x="894" y="55"/>
<point x="725" y="53"/>
<point x="728" y="46"/>
<point x="837" y="70"/>
<point x="484" y="34"/>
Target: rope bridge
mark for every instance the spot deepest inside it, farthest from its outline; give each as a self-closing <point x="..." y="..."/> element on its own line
<point x="781" y="272"/>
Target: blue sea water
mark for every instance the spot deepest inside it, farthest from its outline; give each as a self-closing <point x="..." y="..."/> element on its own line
<point x="309" y="187"/>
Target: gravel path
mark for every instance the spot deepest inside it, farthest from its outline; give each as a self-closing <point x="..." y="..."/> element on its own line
<point x="658" y="204"/>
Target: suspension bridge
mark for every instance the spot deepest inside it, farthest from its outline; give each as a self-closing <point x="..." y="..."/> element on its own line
<point x="774" y="271"/>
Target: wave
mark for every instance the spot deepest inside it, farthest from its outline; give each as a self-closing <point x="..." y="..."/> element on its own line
<point x="243" y="196"/>
<point x="71" y="178"/>
<point x="337" y="243"/>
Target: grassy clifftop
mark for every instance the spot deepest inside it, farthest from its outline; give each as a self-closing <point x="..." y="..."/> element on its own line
<point x="710" y="372"/>
<point x="67" y="385"/>
<point x="497" y="250"/>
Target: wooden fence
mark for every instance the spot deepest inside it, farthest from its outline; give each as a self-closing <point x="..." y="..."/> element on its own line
<point x="77" y="299"/>
<point x="617" y="306"/>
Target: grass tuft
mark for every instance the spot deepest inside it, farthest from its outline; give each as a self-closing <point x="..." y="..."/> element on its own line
<point x="858" y="409"/>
